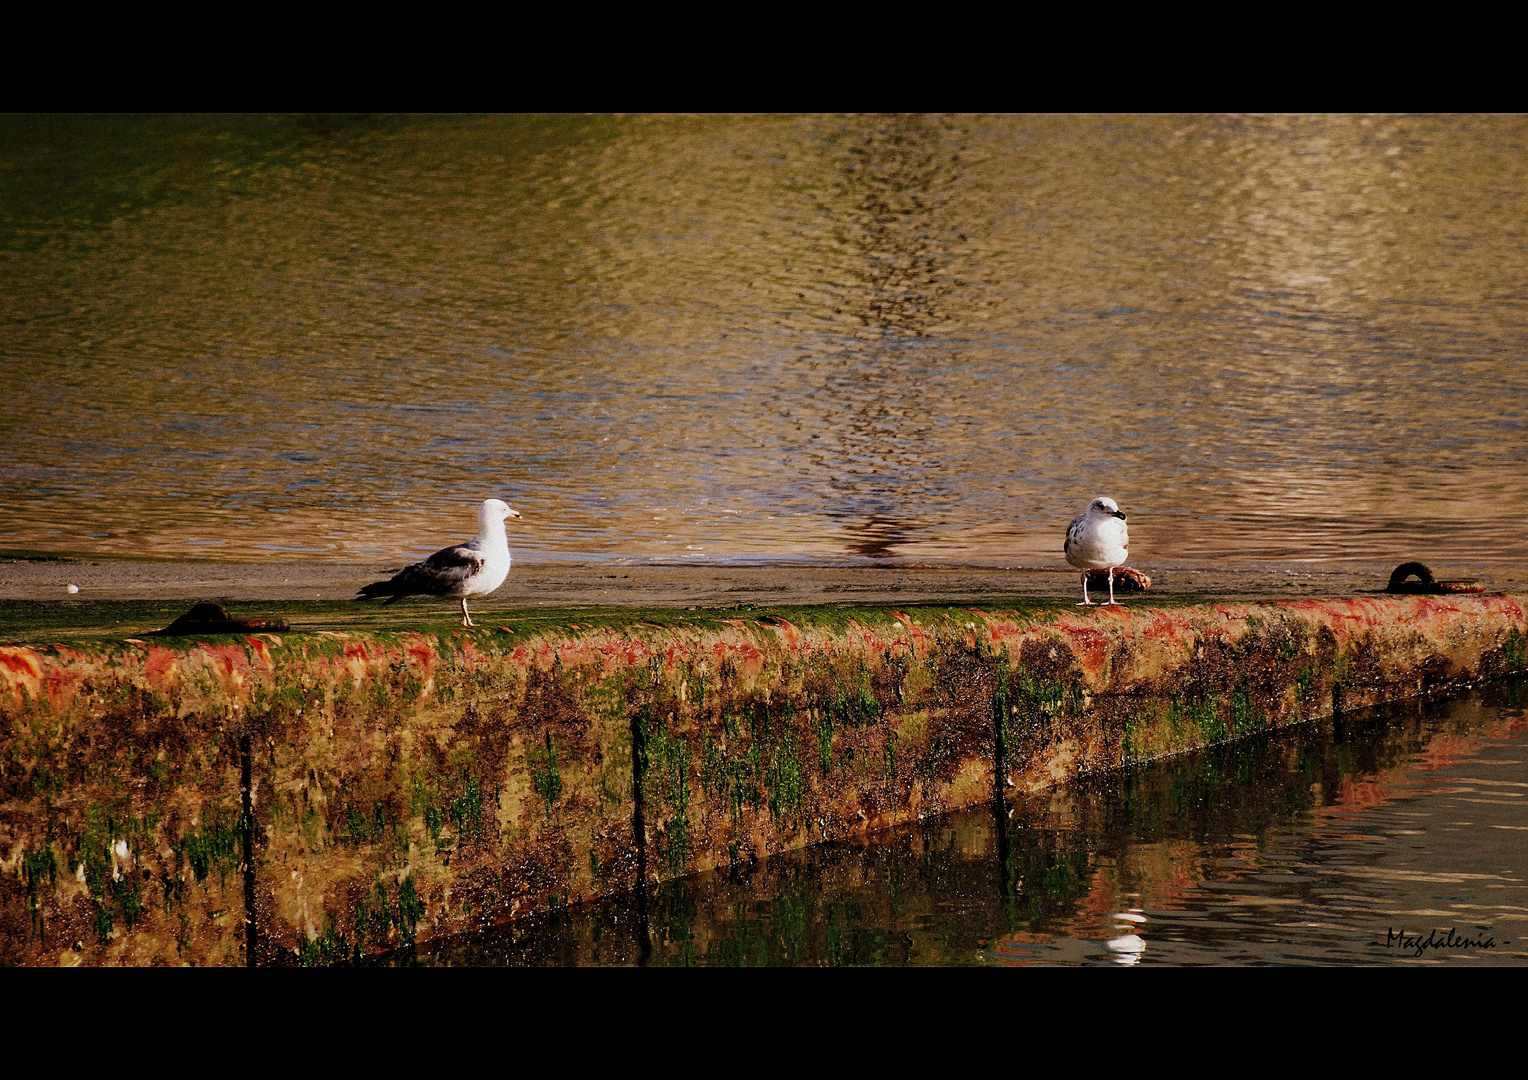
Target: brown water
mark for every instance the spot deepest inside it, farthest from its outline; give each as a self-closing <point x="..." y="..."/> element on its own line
<point x="1390" y="838"/>
<point x="1290" y="340"/>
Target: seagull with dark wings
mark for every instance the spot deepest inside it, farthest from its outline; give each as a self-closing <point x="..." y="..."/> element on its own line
<point x="475" y="568"/>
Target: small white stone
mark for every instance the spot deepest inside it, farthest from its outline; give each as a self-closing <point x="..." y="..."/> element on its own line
<point x="74" y="588"/>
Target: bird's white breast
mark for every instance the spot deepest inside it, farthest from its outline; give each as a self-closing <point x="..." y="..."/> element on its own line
<point x="1098" y="542"/>
<point x="491" y="576"/>
<point x="493" y="545"/>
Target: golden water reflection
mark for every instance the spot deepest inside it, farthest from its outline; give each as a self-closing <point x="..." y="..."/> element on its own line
<point x="1279" y="339"/>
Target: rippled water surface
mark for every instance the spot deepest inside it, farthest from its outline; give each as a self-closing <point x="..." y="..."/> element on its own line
<point x="1391" y="839"/>
<point x="1278" y="338"/>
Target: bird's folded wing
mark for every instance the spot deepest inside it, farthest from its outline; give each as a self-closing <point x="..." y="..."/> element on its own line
<point x="453" y="557"/>
<point x="1074" y="533"/>
<point x="442" y="571"/>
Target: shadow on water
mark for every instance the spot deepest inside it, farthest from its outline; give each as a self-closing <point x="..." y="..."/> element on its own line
<point x="877" y="536"/>
<point x="1327" y="844"/>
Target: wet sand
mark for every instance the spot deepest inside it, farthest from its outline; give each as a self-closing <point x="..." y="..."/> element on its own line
<point x="610" y="584"/>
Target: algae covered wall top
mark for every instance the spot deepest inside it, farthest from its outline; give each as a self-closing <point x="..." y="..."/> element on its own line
<point x="318" y="797"/>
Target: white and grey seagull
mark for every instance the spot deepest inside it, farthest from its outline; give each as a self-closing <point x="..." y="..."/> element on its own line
<point x="475" y="568"/>
<point x="1097" y="539"/>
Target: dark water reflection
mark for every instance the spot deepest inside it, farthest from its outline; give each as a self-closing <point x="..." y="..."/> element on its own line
<point x="1270" y="338"/>
<point x="1317" y="846"/>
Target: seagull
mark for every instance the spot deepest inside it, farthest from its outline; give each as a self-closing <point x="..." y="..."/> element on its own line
<point x="475" y="568"/>
<point x="1098" y="540"/>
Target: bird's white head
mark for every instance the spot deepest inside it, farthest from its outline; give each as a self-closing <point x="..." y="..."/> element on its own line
<point x="1105" y="508"/>
<point x="495" y="512"/>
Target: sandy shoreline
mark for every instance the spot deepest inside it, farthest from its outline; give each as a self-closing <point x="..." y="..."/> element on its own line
<point x="579" y="585"/>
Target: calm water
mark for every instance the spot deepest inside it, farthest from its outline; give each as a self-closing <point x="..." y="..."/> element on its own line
<point x="1272" y="338"/>
<point x="1354" y="843"/>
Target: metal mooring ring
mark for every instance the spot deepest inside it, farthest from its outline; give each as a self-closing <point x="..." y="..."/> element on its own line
<point x="1426" y="584"/>
<point x="1398" y="576"/>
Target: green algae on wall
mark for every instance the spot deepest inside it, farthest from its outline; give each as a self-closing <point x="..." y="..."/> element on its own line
<point x="317" y="798"/>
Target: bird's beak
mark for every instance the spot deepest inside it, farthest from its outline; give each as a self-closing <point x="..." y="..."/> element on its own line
<point x="516" y="513"/>
<point x="1118" y="513"/>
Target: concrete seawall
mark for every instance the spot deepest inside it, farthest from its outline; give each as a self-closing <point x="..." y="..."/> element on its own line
<point x="311" y="797"/>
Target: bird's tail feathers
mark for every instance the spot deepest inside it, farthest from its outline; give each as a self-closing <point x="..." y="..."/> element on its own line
<point x="376" y="589"/>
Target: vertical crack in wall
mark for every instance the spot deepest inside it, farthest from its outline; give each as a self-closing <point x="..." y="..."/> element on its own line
<point x="1000" y="717"/>
<point x="639" y="829"/>
<point x="247" y="797"/>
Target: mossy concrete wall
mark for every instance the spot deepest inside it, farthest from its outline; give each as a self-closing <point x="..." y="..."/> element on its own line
<point x="307" y="798"/>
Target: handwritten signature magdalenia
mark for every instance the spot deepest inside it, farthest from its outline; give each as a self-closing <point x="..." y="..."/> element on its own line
<point x="1435" y="939"/>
